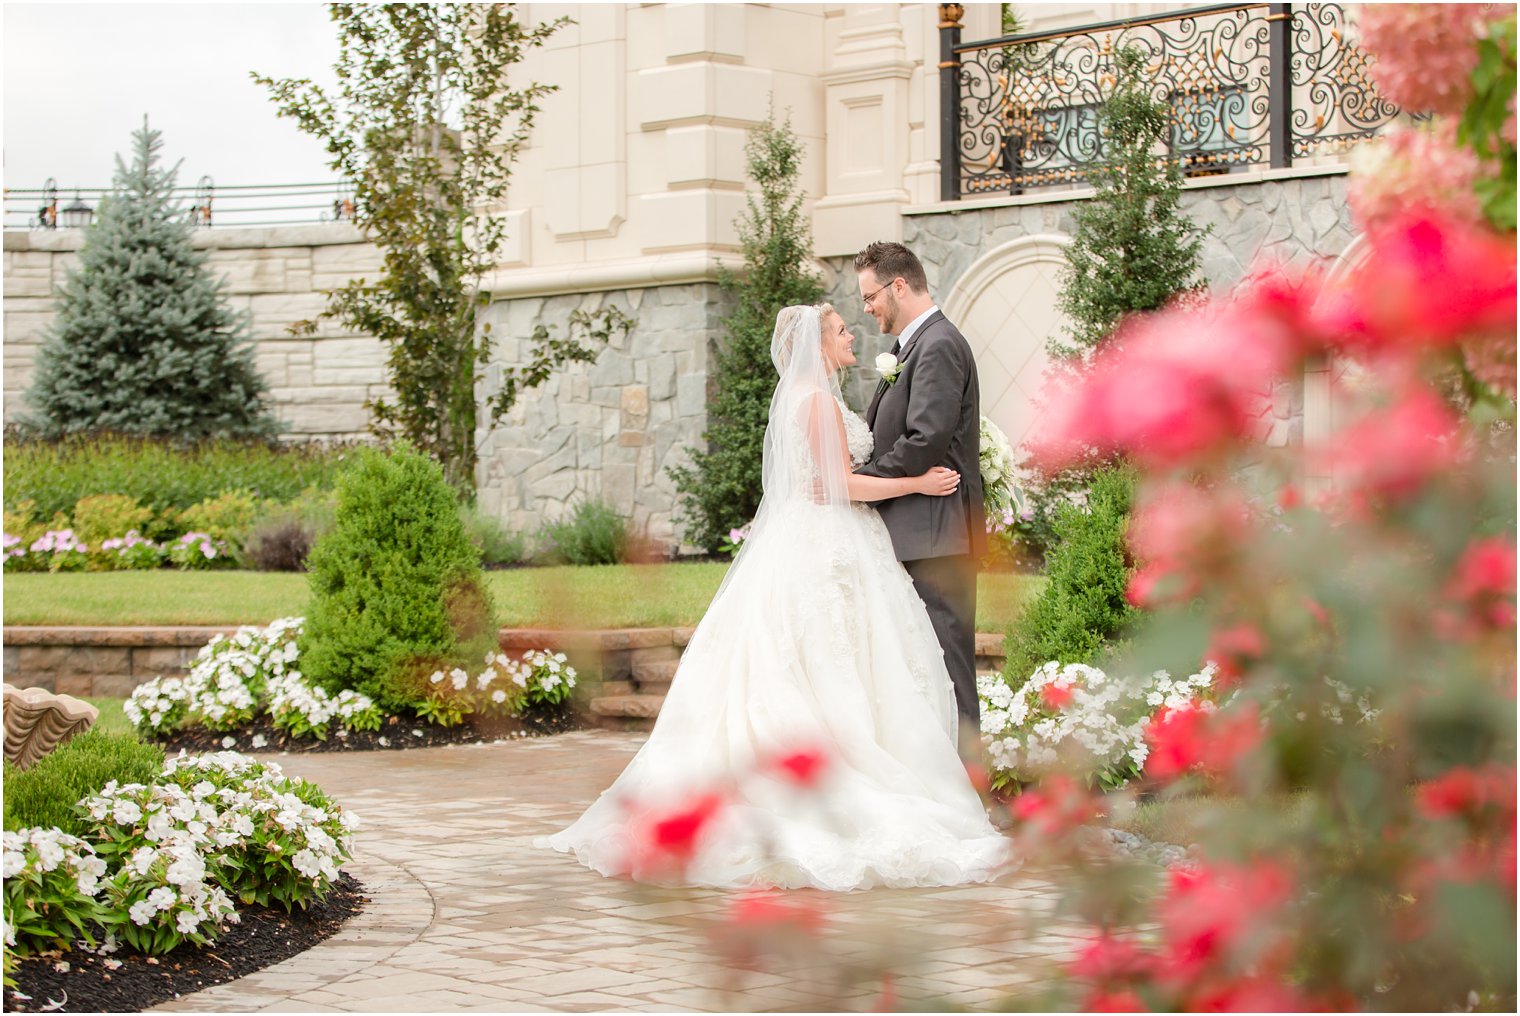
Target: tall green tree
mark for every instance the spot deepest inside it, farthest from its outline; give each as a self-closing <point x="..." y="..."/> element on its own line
<point x="1133" y="249"/>
<point x="720" y="490"/>
<point x="426" y="122"/>
<point x="143" y="341"/>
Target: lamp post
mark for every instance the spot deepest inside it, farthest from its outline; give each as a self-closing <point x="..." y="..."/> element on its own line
<point x="76" y="214"/>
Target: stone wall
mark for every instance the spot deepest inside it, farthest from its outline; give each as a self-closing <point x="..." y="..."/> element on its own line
<point x="608" y="429"/>
<point x="613" y="428"/>
<point x="1009" y="312"/>
<point x="318" y="384"/>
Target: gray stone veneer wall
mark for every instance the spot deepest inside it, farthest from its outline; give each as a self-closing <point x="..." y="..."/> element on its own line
<point x="608" y="429"/>
<point x="1253" y="222"/>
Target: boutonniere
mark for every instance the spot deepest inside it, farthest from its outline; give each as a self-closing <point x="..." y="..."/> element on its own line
<point x="888" y="366"/>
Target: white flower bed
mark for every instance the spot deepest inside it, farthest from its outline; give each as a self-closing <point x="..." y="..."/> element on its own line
<point x="236" y="675"/>
<point x="1077" y="716"/>
<point x="506" y="687"/>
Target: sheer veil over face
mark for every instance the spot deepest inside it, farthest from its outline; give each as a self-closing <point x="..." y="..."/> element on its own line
<point x="806" y="462"/>
<point x="805" y="446"/>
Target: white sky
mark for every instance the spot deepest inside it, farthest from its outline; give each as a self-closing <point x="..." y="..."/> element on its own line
<point x="79" y="77"/>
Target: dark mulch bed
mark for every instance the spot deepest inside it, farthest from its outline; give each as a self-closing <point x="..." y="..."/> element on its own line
<point x="395" y="734"/>
<point x="263" y="937"/>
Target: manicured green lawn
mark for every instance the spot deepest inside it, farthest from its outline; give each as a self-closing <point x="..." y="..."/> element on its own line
<point x="112" y="720"/>
<point x="614" y="596"/>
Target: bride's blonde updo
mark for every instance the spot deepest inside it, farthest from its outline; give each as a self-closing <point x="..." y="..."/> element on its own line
<point x="788" y="320"/>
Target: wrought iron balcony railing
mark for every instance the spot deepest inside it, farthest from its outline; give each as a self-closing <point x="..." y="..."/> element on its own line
<point x="1247" y="85"/>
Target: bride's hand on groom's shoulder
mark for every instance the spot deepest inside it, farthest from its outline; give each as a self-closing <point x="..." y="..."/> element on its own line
<point x="938" y="482"/>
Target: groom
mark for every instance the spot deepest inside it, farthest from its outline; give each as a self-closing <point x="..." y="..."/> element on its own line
<point x="929" y="414"/>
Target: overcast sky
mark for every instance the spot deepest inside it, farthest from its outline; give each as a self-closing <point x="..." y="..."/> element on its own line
<point x="79" y="77"/>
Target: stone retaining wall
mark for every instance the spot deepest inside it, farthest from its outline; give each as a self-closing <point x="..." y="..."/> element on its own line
<point x="110" y="662"/>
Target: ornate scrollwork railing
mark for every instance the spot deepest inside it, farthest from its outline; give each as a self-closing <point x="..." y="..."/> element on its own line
<point x="1247" y="85"/>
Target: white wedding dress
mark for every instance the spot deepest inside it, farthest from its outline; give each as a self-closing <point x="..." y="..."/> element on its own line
<point x="815" y="641"/>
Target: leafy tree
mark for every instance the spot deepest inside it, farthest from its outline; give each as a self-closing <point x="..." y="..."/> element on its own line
<point x="144" y="342"/>
<point x="425" y="123"/>
<point x="1133" y="249"/>
<point x="720" y="491"/>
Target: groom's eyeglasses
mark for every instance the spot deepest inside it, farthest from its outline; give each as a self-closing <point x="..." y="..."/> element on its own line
<point x="872" y="296"/>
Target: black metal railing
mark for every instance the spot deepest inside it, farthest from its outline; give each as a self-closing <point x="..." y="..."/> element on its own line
<point x="1247" y="85"/>
<point x="204" y="204"/>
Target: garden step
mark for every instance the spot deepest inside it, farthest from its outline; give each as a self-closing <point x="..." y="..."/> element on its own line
<point x="609" y="689"/>
<point x="626" y="712"/>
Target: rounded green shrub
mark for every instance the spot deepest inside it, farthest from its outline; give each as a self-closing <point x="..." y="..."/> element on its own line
<point x="1082" y="607"/>
<point x="396" y="585"/>
<point x="45" y="794"/>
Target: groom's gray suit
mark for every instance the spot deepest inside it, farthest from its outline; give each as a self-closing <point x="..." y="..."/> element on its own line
<point x="931" y="416"/>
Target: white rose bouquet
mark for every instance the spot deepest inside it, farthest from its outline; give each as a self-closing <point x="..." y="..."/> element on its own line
<point x="996" y="466"/>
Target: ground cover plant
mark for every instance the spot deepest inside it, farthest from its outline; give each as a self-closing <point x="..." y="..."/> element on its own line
<point x="113" y="853"/>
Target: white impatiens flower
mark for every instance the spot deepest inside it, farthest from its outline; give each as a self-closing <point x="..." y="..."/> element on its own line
<point x="141" y="912"/>
<point x="15" y="861"/>
<point x="1076" y="714"/>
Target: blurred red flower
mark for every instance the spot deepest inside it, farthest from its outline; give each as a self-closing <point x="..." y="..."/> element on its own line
<point x="1233" y="648"/>
<point x="1392" y="452"/>
<point x="804" y="768"/>
<point x="1055" y="696"/>
<point x="1211" y="914"/>
<point x="676" y="834"/>
<point x="1429" y="280"/>
<point x="1195" y="737"/>
<point x="1057" y="806"/>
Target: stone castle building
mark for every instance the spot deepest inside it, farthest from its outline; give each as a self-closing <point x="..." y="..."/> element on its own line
<point x="628" y="192"/>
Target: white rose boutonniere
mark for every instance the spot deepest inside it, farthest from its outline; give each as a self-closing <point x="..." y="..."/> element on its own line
<point x="888" y="366"/>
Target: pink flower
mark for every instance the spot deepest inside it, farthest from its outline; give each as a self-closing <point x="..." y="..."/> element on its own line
<point x="1425" y="53"/>
<point x="1393" y="452"/>
<point x="1106" y="958"/>
<point x="767" y="908"/>
<point x="1055" y="696"/>
<point x="675" y="836"/>
<point x="1429" y="281"/>
<point x="1182" y="534"/>
<point x="1196" y="737"/>
<point x="1234" y="647"/>
<point x="804" y="768"/>
<point x="1420" y="166"/>
<point x="1209" y="913"/>
<point x="1057" y="807"/>
<point x="1484" y="581"/>
<point x="1467" y="791"/>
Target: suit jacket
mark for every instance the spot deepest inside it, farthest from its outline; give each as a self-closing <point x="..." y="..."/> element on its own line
<point x="931" y="416"/>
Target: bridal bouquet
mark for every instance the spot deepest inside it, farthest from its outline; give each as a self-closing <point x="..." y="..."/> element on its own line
<point x="996" y="466"/>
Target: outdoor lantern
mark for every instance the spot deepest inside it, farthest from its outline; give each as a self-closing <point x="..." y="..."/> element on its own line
<point x="76" y="214"/>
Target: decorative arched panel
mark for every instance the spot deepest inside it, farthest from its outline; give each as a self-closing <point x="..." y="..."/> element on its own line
<point x="1005" y="305"/>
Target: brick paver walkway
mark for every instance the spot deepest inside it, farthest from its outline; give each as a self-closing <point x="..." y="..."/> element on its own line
<point x="468" y="915"/>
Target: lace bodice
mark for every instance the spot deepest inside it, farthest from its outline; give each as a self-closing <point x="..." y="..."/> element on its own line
<point x="857" y="435"/>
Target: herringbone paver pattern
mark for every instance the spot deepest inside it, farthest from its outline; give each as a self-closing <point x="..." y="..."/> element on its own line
<point x="468" y="915"/>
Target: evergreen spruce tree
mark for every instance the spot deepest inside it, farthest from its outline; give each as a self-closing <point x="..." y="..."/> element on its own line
<point x="143" y="341"/>
<point x="720" y="491"/>
<point x="1133" y="249"/>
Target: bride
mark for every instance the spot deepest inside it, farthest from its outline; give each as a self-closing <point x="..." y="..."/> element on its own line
<point x="811" y="719"/>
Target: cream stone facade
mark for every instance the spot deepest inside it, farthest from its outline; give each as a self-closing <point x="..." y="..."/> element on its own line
<point x="627" y="195"/>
